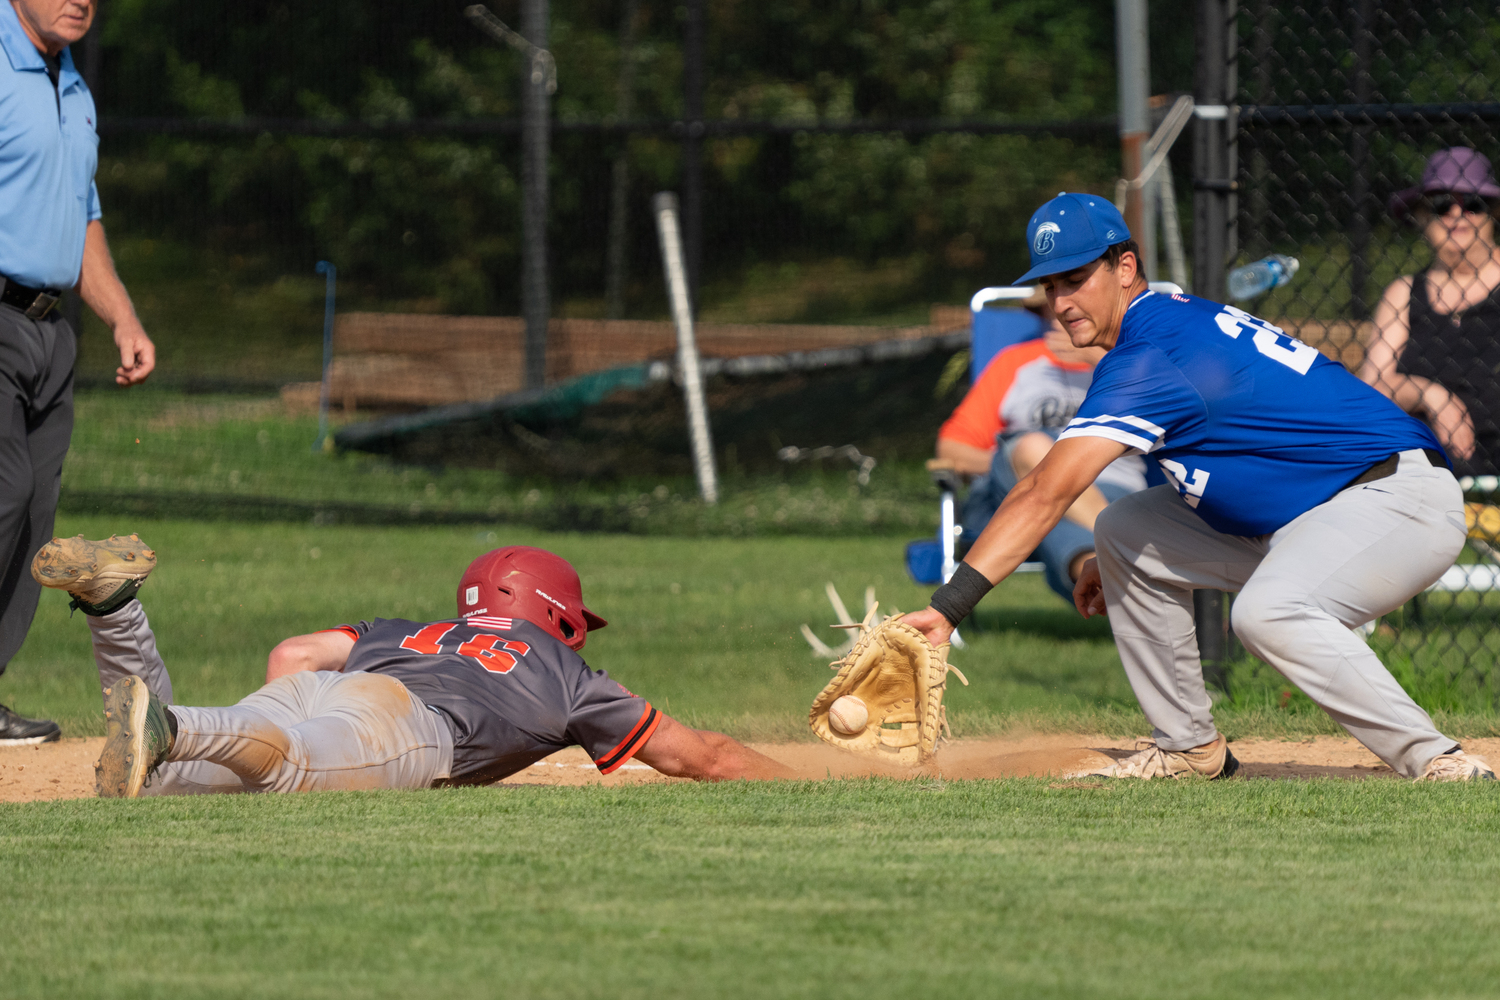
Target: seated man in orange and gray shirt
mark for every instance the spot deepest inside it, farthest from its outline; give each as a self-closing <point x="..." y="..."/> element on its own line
<point x="1010" y="419"/>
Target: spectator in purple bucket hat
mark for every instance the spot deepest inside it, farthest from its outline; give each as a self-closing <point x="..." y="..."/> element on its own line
<point x="1436" y="350"/>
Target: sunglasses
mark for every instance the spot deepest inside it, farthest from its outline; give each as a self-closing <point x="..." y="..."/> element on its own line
<point x="1440" y="204"/>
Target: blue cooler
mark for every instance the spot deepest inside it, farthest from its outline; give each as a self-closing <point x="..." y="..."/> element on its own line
<point x="924" y="561"/>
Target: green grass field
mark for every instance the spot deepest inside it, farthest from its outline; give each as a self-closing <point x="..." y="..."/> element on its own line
<point x="829" y="889"/>
<point x="157" y="452"/>
<point x="705" y="627"/>
<point x="836" y="889"/>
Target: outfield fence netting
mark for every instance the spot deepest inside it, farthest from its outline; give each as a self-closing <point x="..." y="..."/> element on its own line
<point x="851" y="199"/>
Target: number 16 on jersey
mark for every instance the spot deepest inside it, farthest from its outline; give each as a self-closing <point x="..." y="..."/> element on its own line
<point x="492" y="652"/>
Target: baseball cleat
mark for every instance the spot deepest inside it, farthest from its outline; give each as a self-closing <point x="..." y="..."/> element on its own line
<point x="18" y="731"/>
<point x="137" y="738"/>
<point x="102" y="576"/>
<point x="1212" y="761"/>
<point x="1456" y="765"/>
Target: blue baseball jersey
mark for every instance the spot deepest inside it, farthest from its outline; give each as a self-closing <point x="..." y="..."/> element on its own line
<point x="1252" y="426"/>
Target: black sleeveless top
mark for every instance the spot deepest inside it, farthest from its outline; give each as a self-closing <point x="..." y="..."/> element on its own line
<point x="1461" y="352"/>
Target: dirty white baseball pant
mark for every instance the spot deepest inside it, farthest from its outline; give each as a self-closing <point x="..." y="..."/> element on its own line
<point x="1362" y="554"/>
<point x="312" y="731"/>
<point x="123" y="645"/>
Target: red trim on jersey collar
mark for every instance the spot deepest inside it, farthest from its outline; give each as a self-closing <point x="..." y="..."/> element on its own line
<point x="632" y="743"/>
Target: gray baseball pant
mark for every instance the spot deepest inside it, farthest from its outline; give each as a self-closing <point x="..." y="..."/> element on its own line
<point x="313" y="731"/>
<point x="1361" y="554"/>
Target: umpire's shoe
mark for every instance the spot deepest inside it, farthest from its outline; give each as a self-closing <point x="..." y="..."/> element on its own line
<point x="138" y="736"/>
<point x="17" y="731"/>
<point x="102" y="576"/>
<point x="1150" y="761"/>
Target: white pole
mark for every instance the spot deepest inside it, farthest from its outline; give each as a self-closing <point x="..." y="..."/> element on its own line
<point x="949" y="533"/>
<point x="947" y="522"/>
<point x="664" y="207"/>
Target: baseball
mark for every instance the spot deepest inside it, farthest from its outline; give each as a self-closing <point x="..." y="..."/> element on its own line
<point x="848" y="715"/>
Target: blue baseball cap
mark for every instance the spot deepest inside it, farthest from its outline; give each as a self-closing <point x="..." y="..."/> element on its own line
<point x="1070" y="231"/>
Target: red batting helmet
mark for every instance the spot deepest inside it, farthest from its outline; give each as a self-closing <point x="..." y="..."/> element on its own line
<point x="520" y="581"/>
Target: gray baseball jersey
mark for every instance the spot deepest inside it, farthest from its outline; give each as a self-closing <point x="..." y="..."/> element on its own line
<point x="512" y="692"/>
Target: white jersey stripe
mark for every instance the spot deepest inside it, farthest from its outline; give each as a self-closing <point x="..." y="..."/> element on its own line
<point x="1138" y="445"/>
<point x="1137" y="422"/>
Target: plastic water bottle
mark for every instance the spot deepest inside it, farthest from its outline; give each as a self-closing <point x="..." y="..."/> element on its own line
<point x="1256" y="279"/>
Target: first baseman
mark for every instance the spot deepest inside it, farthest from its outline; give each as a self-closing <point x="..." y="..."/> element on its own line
<point x="1290" y="481"/>
<point x="383" y="704"/>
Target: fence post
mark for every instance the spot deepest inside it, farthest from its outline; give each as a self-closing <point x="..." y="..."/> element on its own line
<point x="1134" y="83"/>
<point x="330" y="284"/>
<point x="619" y="193"/>
<point x="535" y="126"/>
<point x="1359" y="155"/>
<point x="1214" y="182"/>
<point x="1214" y="209"/>
<point x="692" y="147"/>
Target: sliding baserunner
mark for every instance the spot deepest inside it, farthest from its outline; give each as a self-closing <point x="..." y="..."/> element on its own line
<point x="1292" y="482"/>
<point x="388" y="704"/>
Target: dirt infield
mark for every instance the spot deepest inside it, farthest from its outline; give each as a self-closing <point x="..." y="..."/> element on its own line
<point x="62" y="770"/>
<point x="65" y="770"/>
<point x="1026" y="756"/>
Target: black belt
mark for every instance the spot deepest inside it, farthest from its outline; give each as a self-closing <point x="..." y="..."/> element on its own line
<point x="34" y="302"/>
<point x="1387" y="466"/>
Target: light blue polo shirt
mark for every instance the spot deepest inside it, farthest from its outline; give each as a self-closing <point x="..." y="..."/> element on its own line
<point x="47" y="159"/>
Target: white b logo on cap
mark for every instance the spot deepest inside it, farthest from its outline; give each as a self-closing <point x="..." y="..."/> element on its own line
<point x="1045" y="238"/>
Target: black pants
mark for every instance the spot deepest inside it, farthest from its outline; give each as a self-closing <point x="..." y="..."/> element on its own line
<point x="36" y="424"/>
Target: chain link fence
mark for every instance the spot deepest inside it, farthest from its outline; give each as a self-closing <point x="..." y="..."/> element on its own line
<point x="1344" y="113"/>
<point x="843" y="173"/>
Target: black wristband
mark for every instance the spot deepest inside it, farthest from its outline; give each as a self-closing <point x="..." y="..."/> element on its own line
<point x="956" y="598"/>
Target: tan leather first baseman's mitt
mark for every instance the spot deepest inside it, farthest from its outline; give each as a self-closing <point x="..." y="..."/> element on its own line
<point x="887" y="699"/>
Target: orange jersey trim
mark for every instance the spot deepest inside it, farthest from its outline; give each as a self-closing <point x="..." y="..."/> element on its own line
<point x="977" y="421"/>
<point x="632" y="743"/>
<point x="348" y="630"/>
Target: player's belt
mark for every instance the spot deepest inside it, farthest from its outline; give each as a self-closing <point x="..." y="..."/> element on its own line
<point x="1387" y="466"/>
<point x="34" y="302"/>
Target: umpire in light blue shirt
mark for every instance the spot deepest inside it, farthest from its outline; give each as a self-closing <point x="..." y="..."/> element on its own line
<point x="51" y="240"/>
